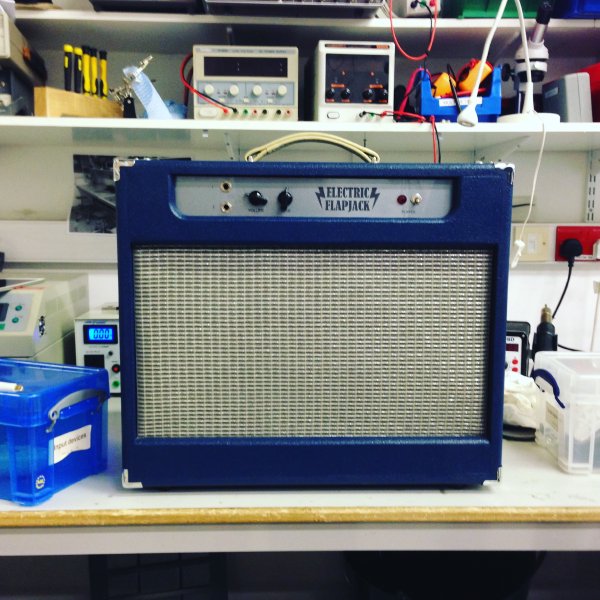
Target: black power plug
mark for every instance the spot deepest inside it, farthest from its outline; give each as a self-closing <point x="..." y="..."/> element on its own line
<point x="570" y="249"/>
<point x="545" y="337"/>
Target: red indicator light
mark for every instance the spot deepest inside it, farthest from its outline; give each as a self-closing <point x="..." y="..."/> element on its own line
<point x="401" y="199"/>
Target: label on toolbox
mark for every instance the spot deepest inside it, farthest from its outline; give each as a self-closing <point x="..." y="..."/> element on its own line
<point x="73" y="441"/>
<point x="462" y="101"/>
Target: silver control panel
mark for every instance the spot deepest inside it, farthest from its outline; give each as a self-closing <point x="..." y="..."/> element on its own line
<point x="327" y="198"/>
<point x="246" y="82"/>
<point x="353" y="81"/>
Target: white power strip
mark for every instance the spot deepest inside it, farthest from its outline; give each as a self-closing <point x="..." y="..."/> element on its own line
<point x="413" y="8"/>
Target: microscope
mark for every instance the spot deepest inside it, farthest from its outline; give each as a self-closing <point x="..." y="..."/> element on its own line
<point x="538" y="56"/>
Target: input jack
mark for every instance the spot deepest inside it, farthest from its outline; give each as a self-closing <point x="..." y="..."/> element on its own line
<point x="226" y="186"/>
<point x="226" y="207"/>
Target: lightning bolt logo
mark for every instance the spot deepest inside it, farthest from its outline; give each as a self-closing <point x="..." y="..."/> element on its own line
<point x="320" y="195"/>
<point x="374" y="196"/>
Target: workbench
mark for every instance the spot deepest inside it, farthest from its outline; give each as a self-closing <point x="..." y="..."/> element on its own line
<point x="535" y="506"/>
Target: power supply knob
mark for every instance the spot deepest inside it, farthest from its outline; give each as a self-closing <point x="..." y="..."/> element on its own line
<point x="346" y="93"/>
<point x="382" y="95"/>
<point x="209" y="89"/>
<point x="282" y="90"/>
<point x="284" y="199"/>
<point x="256" y="198"/>
<point x="257" y="90"/>
<point x="234" y="90"/>
<point x="330" y="94"/>
<point x="368" y="94"/>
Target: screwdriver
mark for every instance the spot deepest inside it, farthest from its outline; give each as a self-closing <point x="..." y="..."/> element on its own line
<point x="103" y="79"/>
<point x="68" y="66"/>
<point x="86" y="70"/>
<point x="78" y="68"/>
<point x="94" y="71"/>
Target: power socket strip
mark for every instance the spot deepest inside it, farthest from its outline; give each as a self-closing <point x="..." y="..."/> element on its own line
<point x="413" y="8"/>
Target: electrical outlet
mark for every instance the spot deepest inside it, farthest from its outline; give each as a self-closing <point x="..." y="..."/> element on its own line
<point x="588" y="235"/>
<point x="414" y="8"/>
<point x="537" y="242"/>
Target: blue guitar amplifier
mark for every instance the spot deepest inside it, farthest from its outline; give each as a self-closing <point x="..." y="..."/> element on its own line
<point x="312" y="324"/>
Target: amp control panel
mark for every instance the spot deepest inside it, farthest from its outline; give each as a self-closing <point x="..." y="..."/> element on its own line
<point x="325" y="198"/>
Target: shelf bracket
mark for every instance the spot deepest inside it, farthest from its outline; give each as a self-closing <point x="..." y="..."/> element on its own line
<point x="231" y="155"/>
<point x="500" y="152"/>
<point x="592" y="212"/>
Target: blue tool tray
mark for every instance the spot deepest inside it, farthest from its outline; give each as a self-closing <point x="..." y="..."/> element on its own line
<point x="444" y="109"/>
<point x="53" y="432"/>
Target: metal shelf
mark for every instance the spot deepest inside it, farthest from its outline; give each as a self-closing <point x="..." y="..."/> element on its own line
<point x="176" y="33"/>
<point x="124" y="135"/>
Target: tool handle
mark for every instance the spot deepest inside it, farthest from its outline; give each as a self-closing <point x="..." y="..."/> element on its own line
<point x="68" y="66"/>
<point x="77" y="70"/>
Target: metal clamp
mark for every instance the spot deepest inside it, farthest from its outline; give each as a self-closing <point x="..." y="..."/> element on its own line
<point x="70" y="400"/>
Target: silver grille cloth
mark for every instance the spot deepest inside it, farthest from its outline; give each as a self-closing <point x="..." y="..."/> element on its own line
<point x="301" y="343"/>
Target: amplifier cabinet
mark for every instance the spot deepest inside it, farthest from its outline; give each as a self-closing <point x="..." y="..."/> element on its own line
<point x="304" y="324"/>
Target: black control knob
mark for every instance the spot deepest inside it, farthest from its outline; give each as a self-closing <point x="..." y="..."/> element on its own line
<point x="330" y="94"/>
<point x="382" y="95"/>
<point x="368" y="94"/>
<point x="256" y="198"/>
<point x="346" y="93"/>
<point x="284" y="199"/>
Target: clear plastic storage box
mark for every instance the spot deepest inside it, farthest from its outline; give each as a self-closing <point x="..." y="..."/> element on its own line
<point x="53" y="432"/>
<point x="570" y="417"/>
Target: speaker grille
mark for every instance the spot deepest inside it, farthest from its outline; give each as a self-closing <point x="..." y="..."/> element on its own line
<point x="309" y="343"/>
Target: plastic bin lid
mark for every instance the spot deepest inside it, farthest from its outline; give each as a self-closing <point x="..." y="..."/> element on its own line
<point x="582" y="364"/>
<point x="44" y="386"/>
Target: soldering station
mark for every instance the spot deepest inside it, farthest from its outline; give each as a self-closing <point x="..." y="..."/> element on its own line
<point x="282" y="324"/>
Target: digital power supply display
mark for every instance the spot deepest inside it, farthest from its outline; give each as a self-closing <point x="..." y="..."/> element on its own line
<point x="100" y="334"/>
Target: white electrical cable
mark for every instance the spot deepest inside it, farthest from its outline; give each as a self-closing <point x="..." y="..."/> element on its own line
<point x="468" y="116"/>
<point x="519" y="241"/>
<point x="366" y="154"/>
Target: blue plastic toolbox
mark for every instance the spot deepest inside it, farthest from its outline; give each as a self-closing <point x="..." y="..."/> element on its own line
<point x="577" y="9"/>
<point x="53" y="431"/>
<point x="444" y="109"/>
